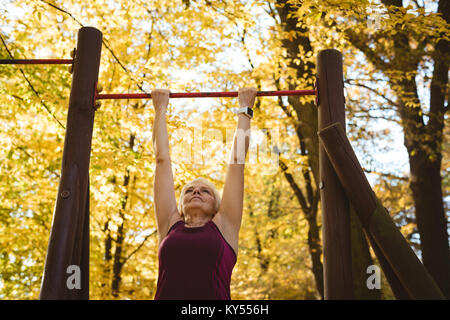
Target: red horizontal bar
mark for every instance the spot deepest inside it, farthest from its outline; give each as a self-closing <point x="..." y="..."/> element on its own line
<point x="36" y="61"/>
<point x="206" y="94"/>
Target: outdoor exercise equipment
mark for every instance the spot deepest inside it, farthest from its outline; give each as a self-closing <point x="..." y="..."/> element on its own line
<point x="342" y="183"/>
<point x="36" y="61"/>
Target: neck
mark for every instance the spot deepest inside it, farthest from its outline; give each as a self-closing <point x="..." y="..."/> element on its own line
<point x="196" y="221"/>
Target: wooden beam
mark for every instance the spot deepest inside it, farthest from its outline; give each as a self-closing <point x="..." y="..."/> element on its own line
<point x="375" y="218"/>
<point x="68" y="247"/>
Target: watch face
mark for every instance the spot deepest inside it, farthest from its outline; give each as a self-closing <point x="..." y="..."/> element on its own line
<point x="250" y="111"/>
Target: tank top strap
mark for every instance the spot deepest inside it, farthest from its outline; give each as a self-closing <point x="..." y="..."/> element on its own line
<point x="175" y="225"/>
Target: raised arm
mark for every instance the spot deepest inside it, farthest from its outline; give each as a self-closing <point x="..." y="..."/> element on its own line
<point x="230" y="211"/>
<point x="164" y="193"/>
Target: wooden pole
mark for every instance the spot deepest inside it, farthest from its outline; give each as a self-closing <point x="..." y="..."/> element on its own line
<point x="66" y="272"/>
<point x="375" y="218"/>
<point x="399" y="291"/>
<point x="337" y="263"/>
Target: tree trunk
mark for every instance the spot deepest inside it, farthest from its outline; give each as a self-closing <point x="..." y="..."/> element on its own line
<point x="306" y="113"/>
<point x="315" y="251"/>
<point x="309" y="208"/>
<point x="118" y="256"/>
<point x="118" y="264"/>
<point x="263" y="260"/>
<point x="107" y="256"/>
<point x="424" y="145"/>
<point x="306" y="129"/>
<point x="431" y="223"/>
<point x="423" y="141"/>
<point x="430" y="213"/>
<point x="119" y="261"/>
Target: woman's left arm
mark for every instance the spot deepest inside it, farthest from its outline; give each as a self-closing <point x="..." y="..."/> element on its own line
<point x="232" y="201"/>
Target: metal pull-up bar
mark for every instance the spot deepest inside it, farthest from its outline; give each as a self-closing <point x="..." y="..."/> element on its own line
<point x="172" y="95"/>
<point x="205" y="94"/>
<point x="36" y="61"/>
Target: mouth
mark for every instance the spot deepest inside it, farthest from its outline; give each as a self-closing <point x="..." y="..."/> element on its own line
<point x="196" y="198"/>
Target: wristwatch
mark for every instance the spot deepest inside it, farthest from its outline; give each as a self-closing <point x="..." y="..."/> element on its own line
<point x="246" y="111"/>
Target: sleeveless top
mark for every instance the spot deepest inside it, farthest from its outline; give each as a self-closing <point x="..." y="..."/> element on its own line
<point x="195" y="264"/>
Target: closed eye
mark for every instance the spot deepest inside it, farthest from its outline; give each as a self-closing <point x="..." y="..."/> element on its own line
<point x="203" y="190"/>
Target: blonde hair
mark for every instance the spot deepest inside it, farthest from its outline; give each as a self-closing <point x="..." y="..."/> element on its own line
<point x="209" y="184"/>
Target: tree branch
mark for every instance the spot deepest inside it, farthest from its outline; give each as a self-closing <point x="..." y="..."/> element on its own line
<point x="361" y="41"/>
<point x="105" y="43"/>
<point x="31" y="86"/>
<point x="298" y="192"/>
<point x="387" y="175"/>
<point x="63" y="11"/>
<point x="350" y="82"/>
<point x="138" y="247"/>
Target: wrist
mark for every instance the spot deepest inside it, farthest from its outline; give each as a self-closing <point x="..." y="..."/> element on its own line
<point x="245" y="111"/>
<point x="243" y="116"/>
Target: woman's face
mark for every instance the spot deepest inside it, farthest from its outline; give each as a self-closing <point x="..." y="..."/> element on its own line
<point x="200" y="198"/>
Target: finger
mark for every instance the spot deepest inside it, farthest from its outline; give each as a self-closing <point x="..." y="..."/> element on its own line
<point x="161" y="91"/>
<point x="248" y="89"/>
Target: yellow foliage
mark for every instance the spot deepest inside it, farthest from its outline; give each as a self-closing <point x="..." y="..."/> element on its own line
<point x="147" y="44"/>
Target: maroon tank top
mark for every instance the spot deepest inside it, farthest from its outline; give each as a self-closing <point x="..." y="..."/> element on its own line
<point x="194" y="264"/>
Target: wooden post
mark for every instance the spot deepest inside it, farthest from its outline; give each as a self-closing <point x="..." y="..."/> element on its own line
<point x="66" y="272"/>
<point x="375" y="218"/>
<point x="337" y="264"/>
<point x="399" y="291"/>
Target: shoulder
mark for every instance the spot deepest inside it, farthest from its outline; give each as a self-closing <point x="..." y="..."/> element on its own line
<point x="175" y="224"/>
<point x="172" y="222"/>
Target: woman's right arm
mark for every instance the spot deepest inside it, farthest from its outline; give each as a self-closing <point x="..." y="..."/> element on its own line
<point x="164" y="190"/>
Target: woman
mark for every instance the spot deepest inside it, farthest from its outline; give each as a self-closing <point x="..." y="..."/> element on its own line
<point x="198" y="240"/>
